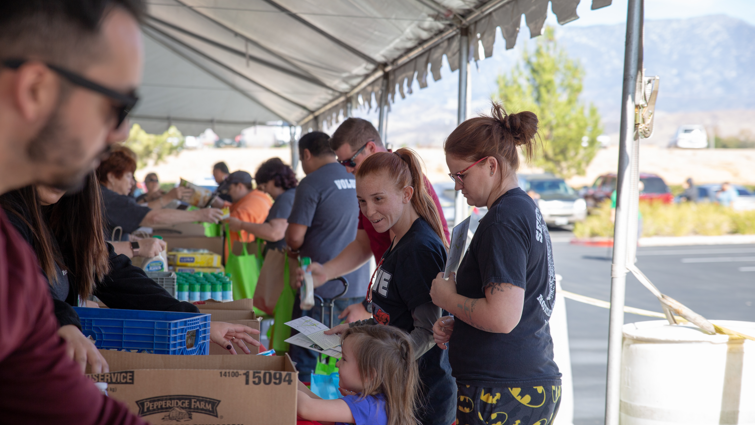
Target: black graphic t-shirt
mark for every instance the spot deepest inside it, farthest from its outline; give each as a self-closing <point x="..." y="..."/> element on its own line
<point x="402" y="283"/>
<point x="511" y="245"/>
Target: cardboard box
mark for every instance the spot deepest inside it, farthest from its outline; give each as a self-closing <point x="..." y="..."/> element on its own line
<point x="240" y="317"/>
<point x="241" y="389"/>
<point x="245" y="304"/>
<point x="188" y="269"/>
<point x="193" y="259"/>
<point x="193" y="242"/>
<point x="182" y="229"/>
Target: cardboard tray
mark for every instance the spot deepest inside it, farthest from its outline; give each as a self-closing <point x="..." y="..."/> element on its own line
<point x="242" y="389"/>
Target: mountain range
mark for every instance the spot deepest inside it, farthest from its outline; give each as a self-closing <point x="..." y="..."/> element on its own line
<point x="705" y="64"/>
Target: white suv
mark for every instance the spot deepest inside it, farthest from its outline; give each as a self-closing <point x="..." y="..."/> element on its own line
<point x="690" y="137"/>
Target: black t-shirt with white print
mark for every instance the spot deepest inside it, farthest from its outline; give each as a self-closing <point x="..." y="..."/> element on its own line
<point x="511" y="245"/>
<point x="402" y="283"/>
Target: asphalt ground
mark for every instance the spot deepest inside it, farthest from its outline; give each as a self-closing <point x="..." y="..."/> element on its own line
<point x="715" y="281"/>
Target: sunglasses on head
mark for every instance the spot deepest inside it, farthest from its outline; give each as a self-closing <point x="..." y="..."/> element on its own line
<point x="125" y="102"/>
<point x="460" y="175"/>
<point x="350" y="162"/>
<point x="151" y="181"/>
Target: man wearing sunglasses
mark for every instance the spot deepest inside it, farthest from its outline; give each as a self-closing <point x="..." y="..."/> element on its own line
<point x="68" y="74"/>
<point x="353" y="142"/>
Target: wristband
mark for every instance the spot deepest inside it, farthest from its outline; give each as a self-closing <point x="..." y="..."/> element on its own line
<point x="135" y="248"/>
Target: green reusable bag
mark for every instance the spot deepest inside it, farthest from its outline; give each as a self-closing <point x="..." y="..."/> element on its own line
<point x="244" y="269"/>
<point x="284" y="308"/>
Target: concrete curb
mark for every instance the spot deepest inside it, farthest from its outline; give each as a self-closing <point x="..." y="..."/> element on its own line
<point x="673" y="240"/>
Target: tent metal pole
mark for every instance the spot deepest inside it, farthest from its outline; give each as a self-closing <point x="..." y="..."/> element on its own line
<point x="628" y="140"/>
<point x="383" y="117"/>
<point x="349" y="107"/>
<point x="461" y="210"/>
<point x="294" y="144"/>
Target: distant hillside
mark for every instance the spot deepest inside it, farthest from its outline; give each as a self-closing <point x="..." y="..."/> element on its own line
<point x="705" y="64"/>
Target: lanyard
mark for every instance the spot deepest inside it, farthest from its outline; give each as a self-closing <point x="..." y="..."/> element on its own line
<point x="372" y="280"/>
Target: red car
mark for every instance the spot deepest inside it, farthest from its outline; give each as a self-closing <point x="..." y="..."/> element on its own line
<point x="655" y="189"/>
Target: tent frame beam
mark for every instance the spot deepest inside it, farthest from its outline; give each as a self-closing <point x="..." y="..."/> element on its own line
<point x="239" y="53"/>
<point x="323" y="33"/>
<point x="224" y="66"/>
<point x="219" y="78"/>
<point x="254" y="42"/>
<point x="408" y="56"/>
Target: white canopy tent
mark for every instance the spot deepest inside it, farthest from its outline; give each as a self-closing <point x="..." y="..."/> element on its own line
<point x="236" y="63"/>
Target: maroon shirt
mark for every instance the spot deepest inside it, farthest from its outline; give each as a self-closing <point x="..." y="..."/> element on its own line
<point x="380" y="242"/>
<point x="39" y="383"/>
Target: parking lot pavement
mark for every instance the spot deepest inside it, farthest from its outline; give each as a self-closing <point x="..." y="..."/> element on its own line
<point x="715" y="281"/>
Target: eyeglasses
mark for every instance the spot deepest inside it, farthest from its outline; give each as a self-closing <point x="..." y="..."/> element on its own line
<point x="350" y="162"/>
<point x="460" y="175"/>
<point x="151" y="181"/>
<point x="126" y="102"/>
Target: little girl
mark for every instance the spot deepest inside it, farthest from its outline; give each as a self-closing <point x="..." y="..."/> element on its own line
<point x="379" y="374"/>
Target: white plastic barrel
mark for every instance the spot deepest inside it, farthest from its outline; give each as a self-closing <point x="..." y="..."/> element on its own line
<point x="679" y="375"/>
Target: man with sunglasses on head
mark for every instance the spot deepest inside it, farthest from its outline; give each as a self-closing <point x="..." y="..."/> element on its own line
<point x="68" y="75"/>
<point x="353" y="142"/>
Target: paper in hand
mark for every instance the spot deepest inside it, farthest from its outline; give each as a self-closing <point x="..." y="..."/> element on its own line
<point x="457" y="248"/>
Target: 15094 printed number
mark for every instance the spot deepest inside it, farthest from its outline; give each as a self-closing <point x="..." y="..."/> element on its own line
<point x="267" y="378"/>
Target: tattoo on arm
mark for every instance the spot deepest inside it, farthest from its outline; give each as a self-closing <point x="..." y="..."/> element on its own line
<point x="467" y="309"/>
<point x="498" y="287"/>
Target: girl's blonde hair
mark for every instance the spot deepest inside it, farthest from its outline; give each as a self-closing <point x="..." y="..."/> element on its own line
<point x="405" y="168"/>
<point x="387" y="366"/>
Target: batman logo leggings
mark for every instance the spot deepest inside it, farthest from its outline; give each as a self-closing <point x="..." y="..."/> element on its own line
<point x="520" y="405"/>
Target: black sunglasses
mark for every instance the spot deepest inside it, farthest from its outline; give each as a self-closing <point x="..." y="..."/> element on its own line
<point x="350" y="162"/>
<point x="126" y="102"/>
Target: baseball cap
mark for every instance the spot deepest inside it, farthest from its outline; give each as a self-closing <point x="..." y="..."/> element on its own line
<point x="235" y="177"/>
<point x="239" y="177"/>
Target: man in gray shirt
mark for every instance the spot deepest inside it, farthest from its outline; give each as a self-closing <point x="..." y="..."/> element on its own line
<point x="322" y="223"/>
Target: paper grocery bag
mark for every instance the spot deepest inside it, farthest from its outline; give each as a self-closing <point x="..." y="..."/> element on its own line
<point x="274" y="277"/>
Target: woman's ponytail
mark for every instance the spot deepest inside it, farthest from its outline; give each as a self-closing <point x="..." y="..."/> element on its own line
<point x="422" y="201"/>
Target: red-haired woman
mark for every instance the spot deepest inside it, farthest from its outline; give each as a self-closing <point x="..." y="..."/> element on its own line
<point x="502" y="297"/>
<point x="116" y="176"/>
<point x="392" y="195"/>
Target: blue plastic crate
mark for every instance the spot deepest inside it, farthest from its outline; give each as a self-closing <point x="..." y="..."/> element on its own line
<point x="142" y="331"/>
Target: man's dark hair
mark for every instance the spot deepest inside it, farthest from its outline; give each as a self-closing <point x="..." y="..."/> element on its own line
<point x="317" y="143"/>
<point x="222" y="166"/>
<point x="356" y="132"/>
<point x="61" y="32"/>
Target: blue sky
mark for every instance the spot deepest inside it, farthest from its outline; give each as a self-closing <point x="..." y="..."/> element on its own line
<point x="663" y="9"/>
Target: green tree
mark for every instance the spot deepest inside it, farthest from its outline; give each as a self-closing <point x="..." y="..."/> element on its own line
<point x="154" y="148"/>
<point x="549" y="83"/>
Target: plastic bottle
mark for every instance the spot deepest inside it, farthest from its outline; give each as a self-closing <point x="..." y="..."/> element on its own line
<point x="206" y="291"/>
<point x="227" y="290"/>
<point x="308" y="286"/>
<point x="158" y="263"/>
<point x="182" y="291"/>
<point x="217" y="291"/>
<point x="194" y="289"/>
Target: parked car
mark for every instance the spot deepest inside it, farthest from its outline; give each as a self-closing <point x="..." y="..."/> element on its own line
<point x="690" y="137"/>
<point x="655" y="190"/>
<point x="221" y="143"/>
<point x="558" y="202"/>
<point x="446" y="194"/>
<point x="744" y="202"/>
